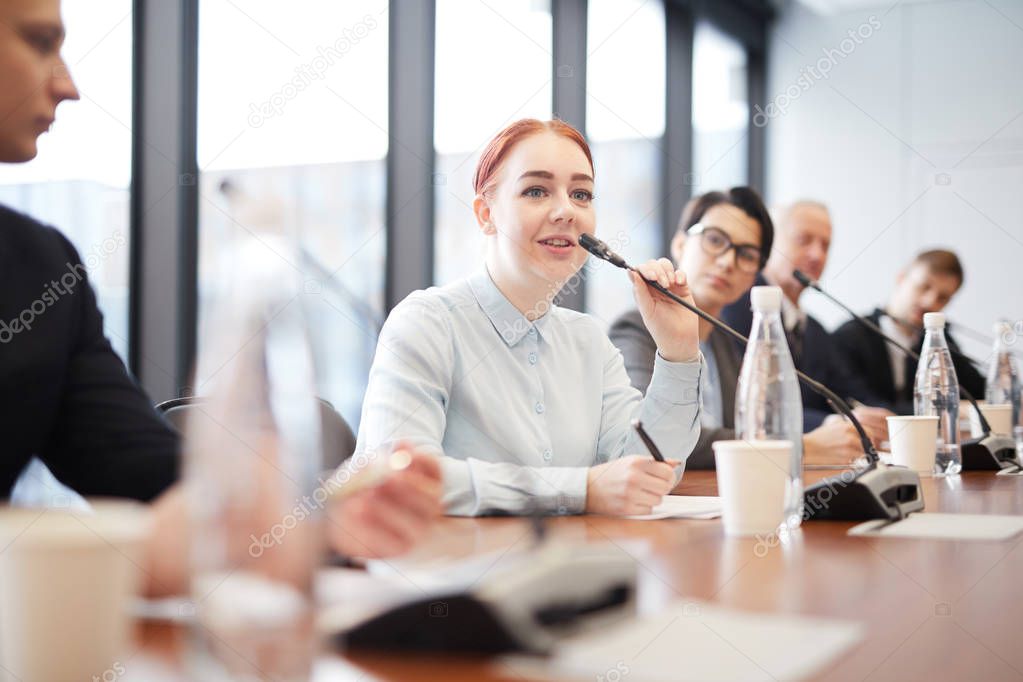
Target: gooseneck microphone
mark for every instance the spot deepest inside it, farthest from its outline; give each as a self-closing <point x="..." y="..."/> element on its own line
<point x="873" y="493"/>
<point x="601" y="250"/>
<point x="990" y="451"/>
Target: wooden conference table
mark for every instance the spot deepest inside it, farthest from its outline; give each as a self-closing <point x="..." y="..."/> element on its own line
<point x="934" y="610"/>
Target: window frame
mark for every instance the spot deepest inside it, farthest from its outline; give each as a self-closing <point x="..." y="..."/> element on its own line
<point x="163" y="295"/>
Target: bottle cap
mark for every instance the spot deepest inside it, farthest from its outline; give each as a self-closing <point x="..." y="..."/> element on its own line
<point x="765" y="299"/>
<point x="934" y="320"/>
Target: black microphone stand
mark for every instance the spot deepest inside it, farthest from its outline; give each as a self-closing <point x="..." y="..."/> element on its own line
<point x="876" y="492"/>
<point x="989" y="452"/>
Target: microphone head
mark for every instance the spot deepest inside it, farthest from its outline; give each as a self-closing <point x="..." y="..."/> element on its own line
<point x="592" y="244"/>
<point x="601" y="250"/>
<point x="803" y="279"/>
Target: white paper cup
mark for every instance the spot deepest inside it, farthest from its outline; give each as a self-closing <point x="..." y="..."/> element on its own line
<point x="753" y="479"/>
<point x="66" y="584"/>
<point x="914" y="442"/>
<point x="999" y="418"/>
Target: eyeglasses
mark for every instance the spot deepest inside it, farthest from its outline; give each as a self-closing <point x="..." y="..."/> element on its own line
<point x="716" y="242"/>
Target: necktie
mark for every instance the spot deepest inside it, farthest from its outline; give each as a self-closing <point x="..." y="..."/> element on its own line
<point x="910" y="369"/>
<point x="794" y="337"/>
<point x="909" y="374"/>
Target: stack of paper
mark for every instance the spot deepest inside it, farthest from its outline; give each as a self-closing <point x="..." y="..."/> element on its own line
<point x="683" y="507"/>
<point x="944" y="527"/>
<point x="693" y="641"/>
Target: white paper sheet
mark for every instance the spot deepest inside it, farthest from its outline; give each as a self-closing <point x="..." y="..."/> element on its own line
<point x="683" y="507"/>
<point x="1010" y="472"/>
<point x="945" y="527"/>
<point x="693" y="641"/>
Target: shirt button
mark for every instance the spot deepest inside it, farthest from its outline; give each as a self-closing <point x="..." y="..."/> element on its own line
<point x="547" y="455"/>
<point x="532" y="331"/>
<point x="532" y="358"/>
<point x="539" y="408"/>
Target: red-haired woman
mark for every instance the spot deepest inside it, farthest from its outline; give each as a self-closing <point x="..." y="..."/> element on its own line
<point x="529" y="403"/>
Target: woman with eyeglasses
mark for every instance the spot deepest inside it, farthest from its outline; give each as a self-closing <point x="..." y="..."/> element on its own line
<point x="723" y="240"/>
<point x="529" y="403"/>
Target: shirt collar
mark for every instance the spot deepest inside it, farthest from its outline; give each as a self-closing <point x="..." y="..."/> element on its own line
<point x="508" y="322"/>
<point x="891" y="328"/>
<point x="791" y="314"/>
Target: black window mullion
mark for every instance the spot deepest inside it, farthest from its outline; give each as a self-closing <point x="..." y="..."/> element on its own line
<point x="569" y="21"/>
<point x="677" y="158"/>
<point x="411" y="161"/>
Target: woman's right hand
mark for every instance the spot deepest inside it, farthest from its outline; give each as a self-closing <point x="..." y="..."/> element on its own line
<point x="387" y="519"/>
<point x="629" y="485"/>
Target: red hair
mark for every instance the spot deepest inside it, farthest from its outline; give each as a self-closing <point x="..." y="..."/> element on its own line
<point x="499" y="146"/>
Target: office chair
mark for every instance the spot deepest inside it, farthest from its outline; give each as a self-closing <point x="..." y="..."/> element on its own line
<point x="338" y="438"/>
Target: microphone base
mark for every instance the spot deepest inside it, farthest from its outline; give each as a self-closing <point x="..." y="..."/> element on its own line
<point x="880" y="492"/>
<point x="988" y="453"/>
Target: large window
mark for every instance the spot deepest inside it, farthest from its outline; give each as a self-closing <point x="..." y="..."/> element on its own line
<point x="720" y="111"/>
<point x="292" y="140"/>
<point x="293" y="137"/>
<point x="493" y="66"/>
<point x="79" y="181"/>
<point x="624" y="124"/>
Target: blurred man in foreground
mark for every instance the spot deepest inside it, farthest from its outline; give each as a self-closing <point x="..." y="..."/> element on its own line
<point x="66" y="397"/>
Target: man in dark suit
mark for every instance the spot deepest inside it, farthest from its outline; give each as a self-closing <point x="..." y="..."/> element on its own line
<point x="926" y="285"/>
<point x="64" y="394"/>
<point x="66" y="397"/>
<point x="803" y="237"/>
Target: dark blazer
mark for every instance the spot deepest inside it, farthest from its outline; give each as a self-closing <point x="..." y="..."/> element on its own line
<point x="867" y="354"/>
<point x="638" y="348"/>
<point x="65" y="395"/>
<point x="819" y="360"/>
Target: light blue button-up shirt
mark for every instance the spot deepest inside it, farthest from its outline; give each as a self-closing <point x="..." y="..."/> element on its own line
<point x="518" y="409"/>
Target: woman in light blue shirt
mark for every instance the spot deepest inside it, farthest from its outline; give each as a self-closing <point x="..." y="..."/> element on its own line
<point x="527" y="403"/>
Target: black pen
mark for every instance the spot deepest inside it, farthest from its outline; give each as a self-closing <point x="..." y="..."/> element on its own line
<point x="645" y="437"/>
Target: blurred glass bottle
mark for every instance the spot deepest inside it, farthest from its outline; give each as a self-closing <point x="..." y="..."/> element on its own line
<point x="1003" y="372"/>
<point x="253" y="455"/>
<point x="936" y="393"/>
<point x="768" y="403"/>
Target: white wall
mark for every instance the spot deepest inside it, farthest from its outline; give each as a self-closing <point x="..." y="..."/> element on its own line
<point x="936" y="88"/>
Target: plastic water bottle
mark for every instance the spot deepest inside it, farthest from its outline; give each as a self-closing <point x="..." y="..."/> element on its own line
<point x="936" y="393"/>
<point x="768" y="403"/>
<point x="253" y="455"/>
<point x="1003" y="372"/>
<point x="1003" y="382"/>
